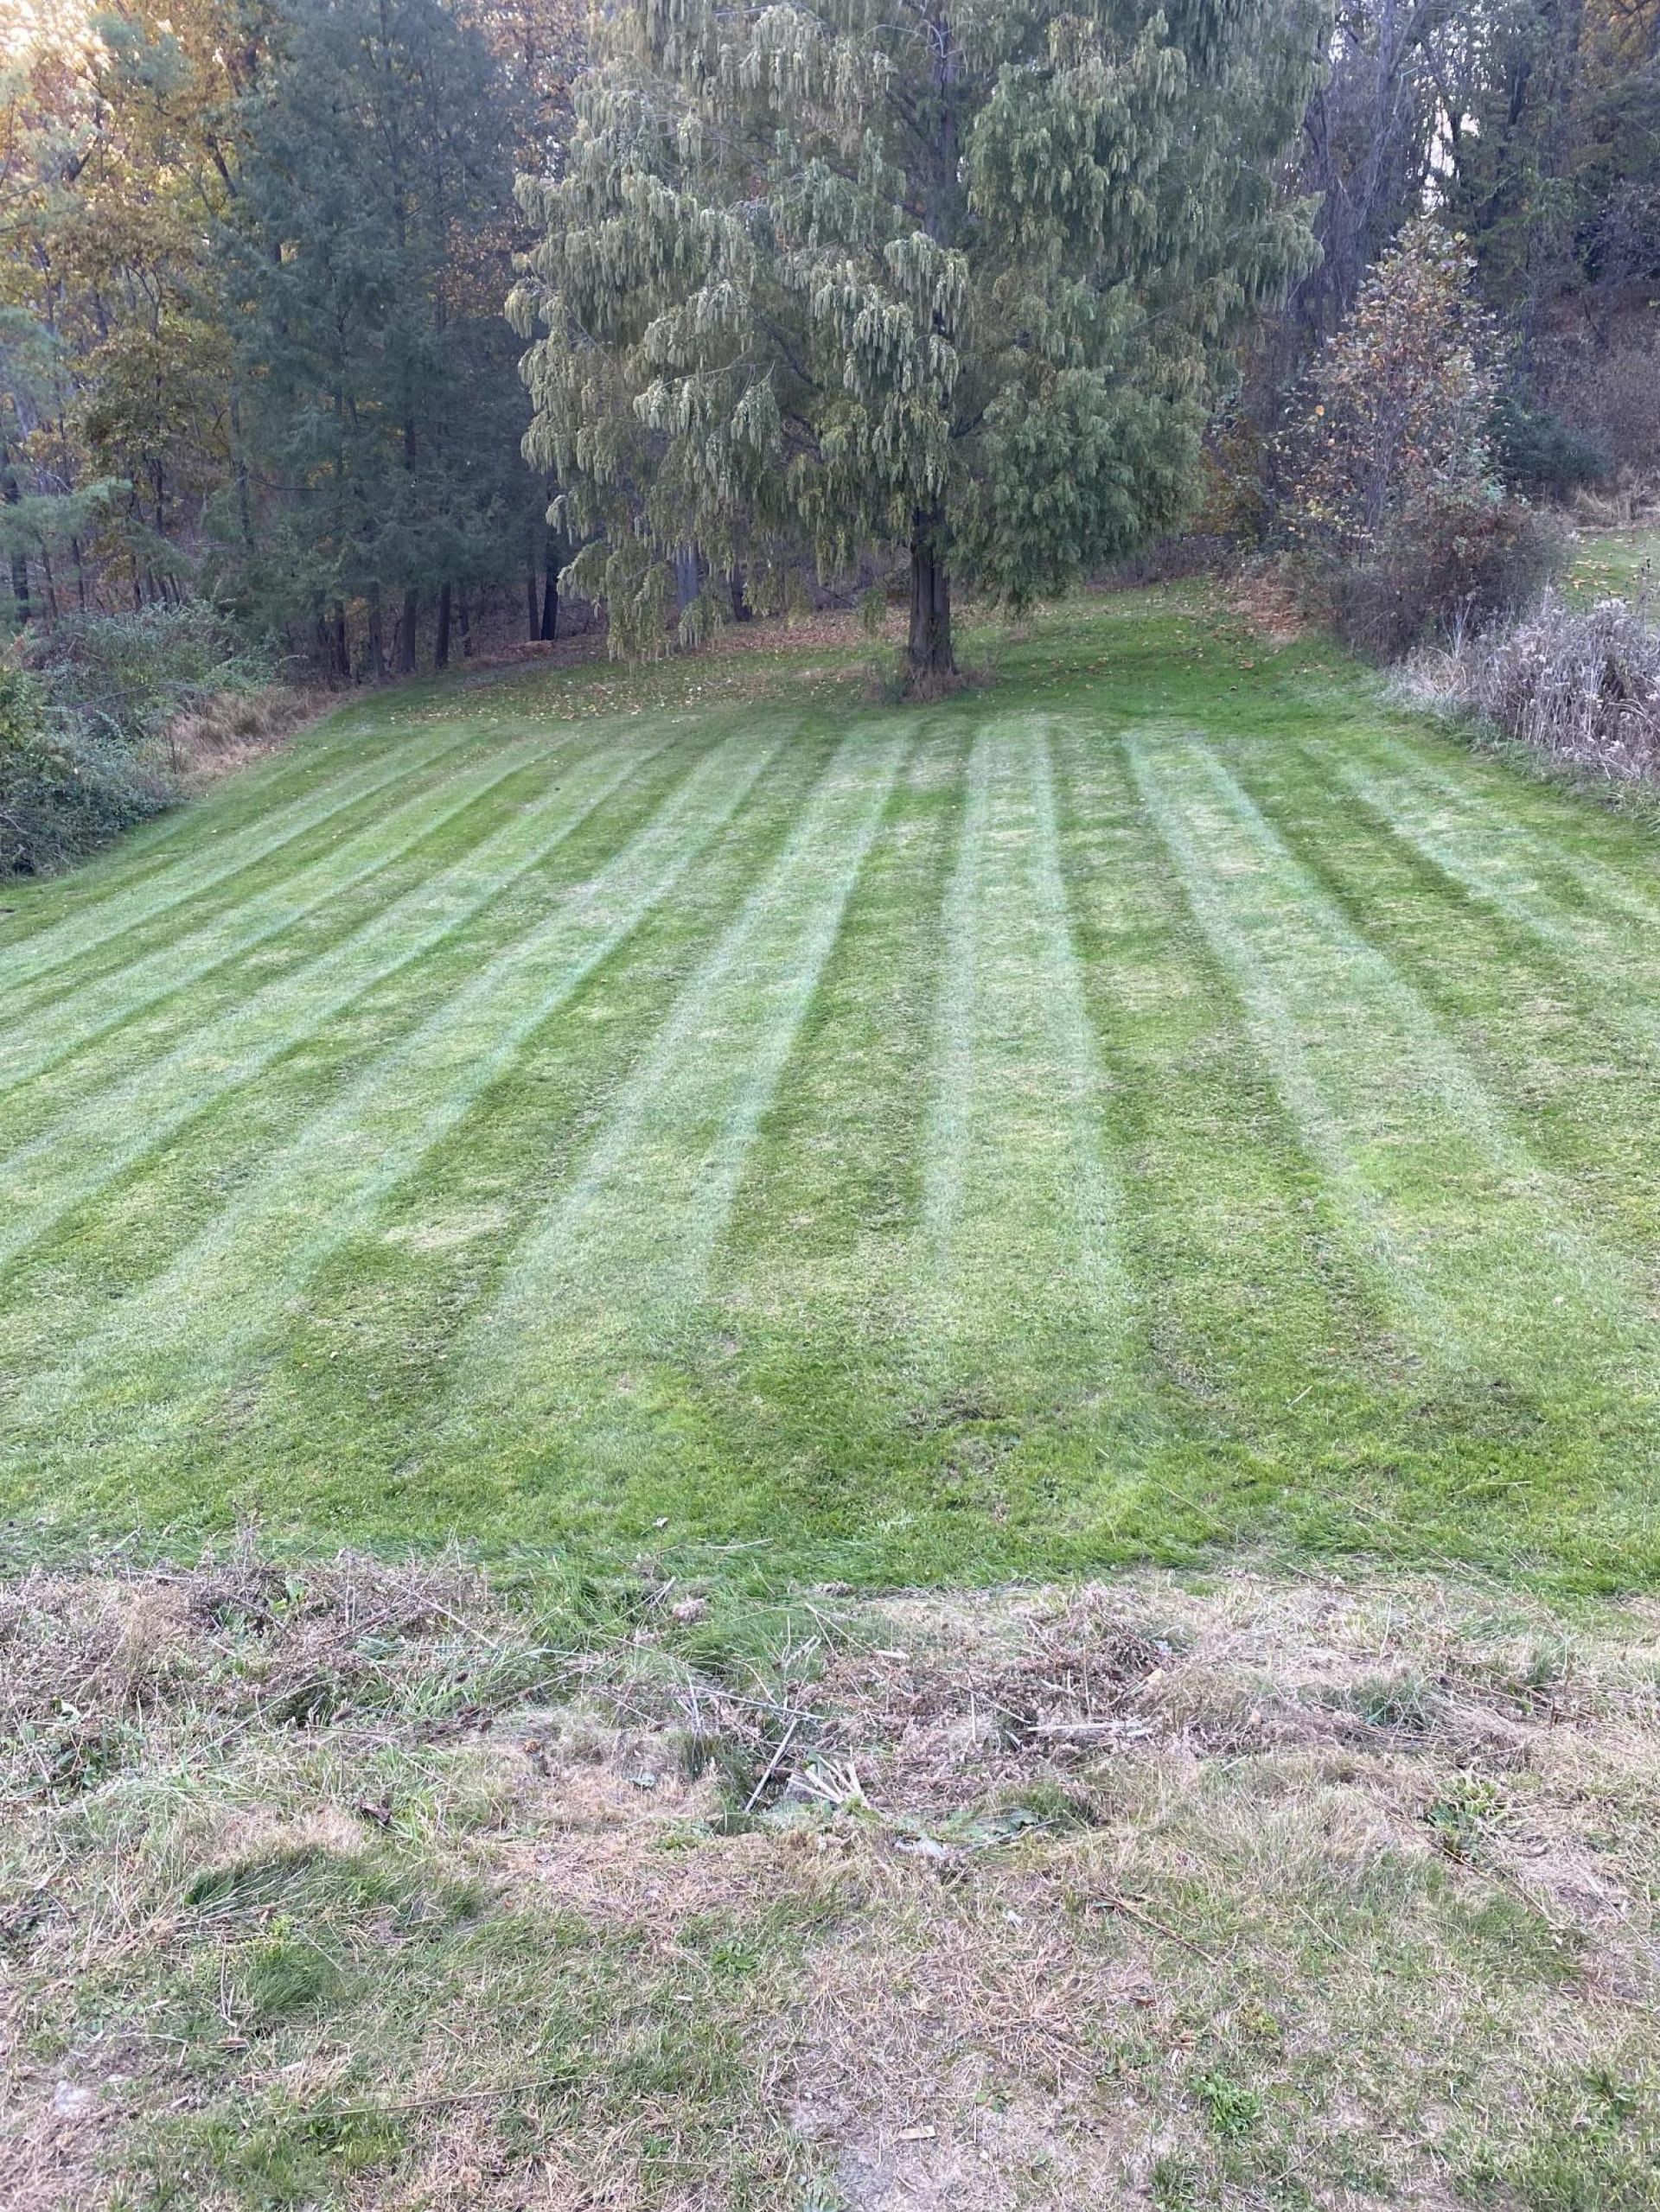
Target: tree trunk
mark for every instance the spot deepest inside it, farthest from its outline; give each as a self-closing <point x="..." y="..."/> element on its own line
<point x="464" y="618"/>
<point x="377" y="645"/>
<point x="533" y="605"/>
<point x="441" y="644"/>
<point x="406" y="623"/>
<point x="239" y="470"/>
<point x="688" y="576"/>
<point x="13" y="494"/>
<point x="549" y="602"/>
<point x="741" y="611"/>
<point x="928" y="661"/>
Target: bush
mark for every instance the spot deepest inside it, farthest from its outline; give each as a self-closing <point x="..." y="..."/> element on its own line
<point x="1610" y="398"/>
<point x="1582" y="683"/>
<point x="1540" y="454"/>
<point x="125" y="678"/>
<point x="89" y="732"/>
<point x="62" y="793"/>
<point x="1397" y="406"/>
<point x="1450" y="565"/>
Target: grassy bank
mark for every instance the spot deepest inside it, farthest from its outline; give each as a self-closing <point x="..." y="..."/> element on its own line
<point x="1163" y="1100"/>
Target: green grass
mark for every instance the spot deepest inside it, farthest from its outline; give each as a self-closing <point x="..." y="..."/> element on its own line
<point x="1162" y="1100"/>
<point x="1614" y="564"/>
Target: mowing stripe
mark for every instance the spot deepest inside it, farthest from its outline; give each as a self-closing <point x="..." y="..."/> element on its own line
<point x="120" y="995"/>
<point x="1505" y="866"/>
<point x="1565" y="1037"/>
<point x="1473" y="1244"/>
<point x="185" y="879"/>
<point x="619" y="1264"/>
<point x="95" y="1142"/>
<point x="1021" y="1209"/>
<point x="227" y="1288"/>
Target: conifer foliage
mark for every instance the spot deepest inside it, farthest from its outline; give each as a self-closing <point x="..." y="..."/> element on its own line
<point x="948" y="277"/>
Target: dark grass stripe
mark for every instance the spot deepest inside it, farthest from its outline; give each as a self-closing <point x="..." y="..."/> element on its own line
<point x="1278" y="1381"/>
<point x="1557" y="1007"/>
<point x="109" y="1130"/>
<point x="172" y="987"/>
<point x="1531" y="1333"/>
<point x="354" y="1395"/>
<point x="166" y="1359"/>
<point x="179" y="1174"/>
<point x="602" y="1321"/>
<point x="103" y="934"/>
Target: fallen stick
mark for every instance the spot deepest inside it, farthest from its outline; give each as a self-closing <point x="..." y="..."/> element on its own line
<point x="1170" y="1935"/>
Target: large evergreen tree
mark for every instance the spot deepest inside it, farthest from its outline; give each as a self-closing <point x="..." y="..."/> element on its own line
<point x="371" y="236"/>
<point x="952" y="276"/>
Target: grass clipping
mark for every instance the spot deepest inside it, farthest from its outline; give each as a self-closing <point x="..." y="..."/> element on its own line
<point x="362" y="1886"/>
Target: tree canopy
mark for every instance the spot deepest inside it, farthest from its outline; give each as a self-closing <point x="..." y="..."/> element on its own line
<point x="368" y="250"/>
<point x="958" y="280"/>
<point x="811" y="284"/>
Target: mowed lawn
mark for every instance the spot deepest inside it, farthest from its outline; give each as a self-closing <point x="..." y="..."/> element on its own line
<point x="1161" y="1099"/>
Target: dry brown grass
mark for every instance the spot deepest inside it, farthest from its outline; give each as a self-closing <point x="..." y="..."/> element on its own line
<point x="1633" y="499"/>
<point x="1265" y="599"/>
<point x="226" y="732"/>
<point x="1155" y="1892"/>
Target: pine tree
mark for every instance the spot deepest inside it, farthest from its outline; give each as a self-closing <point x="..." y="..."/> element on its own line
<point x="369" y="242"/>
<point x="950" y="278"/>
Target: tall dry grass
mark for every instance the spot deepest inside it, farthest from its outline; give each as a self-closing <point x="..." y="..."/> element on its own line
<point x="1581" y="684"/>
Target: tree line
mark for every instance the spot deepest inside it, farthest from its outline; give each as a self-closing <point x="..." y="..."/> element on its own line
<point x="252" y="260"/>
<point x="793" y="292"/>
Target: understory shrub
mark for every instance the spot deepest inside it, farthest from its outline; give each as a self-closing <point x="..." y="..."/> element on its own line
<point x="63" y="791"/>
<point x="1541" y="454"/>
<point x="100" y="717"/>
<point x="1450" y="565"/>
<point x="1582" y="683"/>
<point x="126" y="678"/>
<point x="1394" y="499"/>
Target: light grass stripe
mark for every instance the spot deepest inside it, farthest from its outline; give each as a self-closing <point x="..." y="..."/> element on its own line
<point x="227" y="1287"/>
<point x="1471" y="1243"/>
<point x="117" y="995"/>
<point x="103" y="1135"/>
<point x="1020" y="1206"/>
<point x="98" y="920"/>
<point x="1498" y="859"/>
<point x="621" y="1264"/>
<point x="1610" y="955"/>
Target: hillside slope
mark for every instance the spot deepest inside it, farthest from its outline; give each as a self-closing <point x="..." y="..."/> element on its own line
<point x="1159" y="1099"/>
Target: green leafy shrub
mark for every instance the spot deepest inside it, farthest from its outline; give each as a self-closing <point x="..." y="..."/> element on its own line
<point x="61" y="792"/>
<point x="86" y="728"/>
<point x="124" y="678"/>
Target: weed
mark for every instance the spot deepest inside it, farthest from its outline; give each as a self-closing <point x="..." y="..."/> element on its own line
<point x="1233" y="2110"/>
<point x="1464" y="1816"/>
